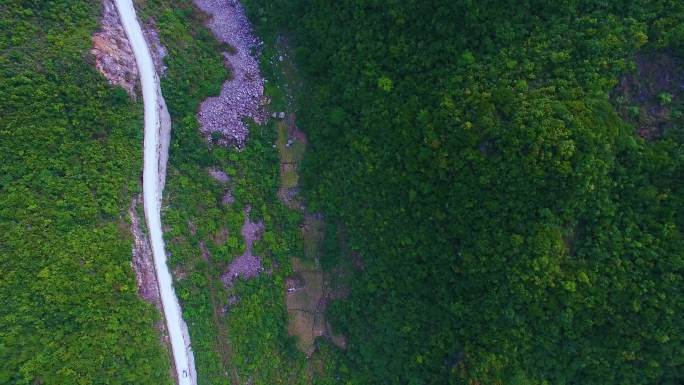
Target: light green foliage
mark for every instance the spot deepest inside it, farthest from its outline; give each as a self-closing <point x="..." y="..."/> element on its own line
<point x="385" y="83"/>
<point x="665" y="98"/>
<point x="70" y="157"/>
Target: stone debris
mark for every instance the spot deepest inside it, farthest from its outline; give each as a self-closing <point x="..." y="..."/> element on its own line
<point x="294" y="283"/>
<point x="113" y="53"/>
<point x="278" y="115"/>
<point x="157" y="50"/>
<point x="242" y="96"/>
<point x="247" y="265"/>
<point x="228" y="198"/>
<point x="219" y="175"/>
<point x="142" y="261"/>
<point x="114" y="57"/>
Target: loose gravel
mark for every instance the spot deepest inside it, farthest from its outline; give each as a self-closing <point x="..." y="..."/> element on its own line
<point x="241" y="96"/>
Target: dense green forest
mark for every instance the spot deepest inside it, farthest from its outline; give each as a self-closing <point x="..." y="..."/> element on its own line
<point x="70" y="157"/>
<point x="486" y="162"/>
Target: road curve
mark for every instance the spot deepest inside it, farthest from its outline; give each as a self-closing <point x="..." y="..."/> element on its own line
<point x="156" y="148"/>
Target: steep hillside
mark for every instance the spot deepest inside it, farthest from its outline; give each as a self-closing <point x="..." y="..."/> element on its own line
<point x="70" y="156"/>
<point x="512" y="226"/>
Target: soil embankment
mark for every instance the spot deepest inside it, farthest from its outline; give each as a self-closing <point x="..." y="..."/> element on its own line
<point x="143" y="262"/>
<point x="113" y="53"/>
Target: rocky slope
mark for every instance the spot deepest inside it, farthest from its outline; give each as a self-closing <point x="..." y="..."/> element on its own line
<point x="222" y="117"/>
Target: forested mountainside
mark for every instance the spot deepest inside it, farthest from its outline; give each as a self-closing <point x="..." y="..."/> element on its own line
<point x="511" y="175"/>
<point x="70" y="157"/>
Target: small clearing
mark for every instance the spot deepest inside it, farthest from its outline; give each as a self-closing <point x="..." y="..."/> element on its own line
<point x="308" y="291"/>
<point x="646" y="97"/>
<point x="247" y="265"/>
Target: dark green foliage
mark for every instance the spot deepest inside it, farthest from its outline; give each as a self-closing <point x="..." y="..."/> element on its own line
<point x="513" y="228"/>
<point x="70" y="156"/>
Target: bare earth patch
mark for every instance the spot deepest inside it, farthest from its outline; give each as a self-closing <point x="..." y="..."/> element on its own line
<point x="305" y="305"/>
<point x="142" y="262"/>
<point x="219" y="175"/>
<point x="247" y="265"/>
<point x="242" y="96"/>
<point x="645" y="96"/>
<point x="223" y="178"/>
<point x="228" y="198"/>
<point x="113" y="53"/>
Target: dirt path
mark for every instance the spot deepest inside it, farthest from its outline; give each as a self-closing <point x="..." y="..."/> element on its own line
<point x="157" y="133"/>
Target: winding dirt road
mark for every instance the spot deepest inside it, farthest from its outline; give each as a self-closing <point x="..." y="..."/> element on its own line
<point x="157" y="130"/>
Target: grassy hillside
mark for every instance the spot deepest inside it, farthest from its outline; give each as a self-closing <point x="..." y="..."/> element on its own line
<point x="70" y="157"/>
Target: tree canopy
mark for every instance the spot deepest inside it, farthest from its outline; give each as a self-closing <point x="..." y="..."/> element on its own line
<point x="513" y="227"/>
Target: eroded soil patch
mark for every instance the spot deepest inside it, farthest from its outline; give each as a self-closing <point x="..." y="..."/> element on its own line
<point x="646" y="97"/>
<point x="247" y="265"/>
<point x="142" y="261"/>
<point x="113" y="53"/>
